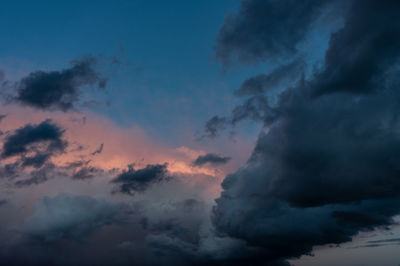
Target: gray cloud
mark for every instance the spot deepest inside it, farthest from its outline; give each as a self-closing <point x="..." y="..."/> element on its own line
<point x="211" y="158"/>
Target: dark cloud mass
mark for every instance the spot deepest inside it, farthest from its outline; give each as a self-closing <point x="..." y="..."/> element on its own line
<point x="211" y="158"/>
<point x="58" y="89"/>
<point x="131" y="180"/>
<point x="328" y="155"/>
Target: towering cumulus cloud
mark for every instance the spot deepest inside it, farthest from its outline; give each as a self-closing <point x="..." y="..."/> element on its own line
<point x="326" y="164"/>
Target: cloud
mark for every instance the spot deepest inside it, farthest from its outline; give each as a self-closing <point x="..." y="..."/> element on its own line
<point x="35" y="144"/>
<point x="132" y="180"/>
<point x="389" y="240"/>
<point x="58" y="89"/>
<point x="3" y="202"/>
<point x="255" y="108"/>
<point x="86" y="173"/>
<point x="265" y="30"/>
<point x="2" y="116"/>
<point x="358" y="66"/>
<point x="211" y="158"/>
<point x="214" y="125"/>
<point x="37" y="177"/>
<point x="280" y="76"/>
<point x="379" y="243"/>
<point x="9" y="170"/>
<point x="99" y="150"/>
<point x="328" y="154"/>
<point x="68" y="217"/>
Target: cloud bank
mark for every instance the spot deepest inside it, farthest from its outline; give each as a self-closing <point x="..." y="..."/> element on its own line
<point x="328" y="153"/>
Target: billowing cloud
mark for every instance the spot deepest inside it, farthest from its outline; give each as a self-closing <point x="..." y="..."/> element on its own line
<point x="211" y="158"/>
<point x="328" y="153"/>
<point x="58" y="89"/>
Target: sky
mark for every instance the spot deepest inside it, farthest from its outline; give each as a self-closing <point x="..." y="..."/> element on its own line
<point x="233" y="132"/>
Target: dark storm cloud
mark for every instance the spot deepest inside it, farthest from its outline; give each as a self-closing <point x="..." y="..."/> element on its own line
<point x="328" y="155"/>
<point x="35" y="144"/>
<point x="211" y="158"/>
<point x="58" y="89"/>
<point x="266" y="29"/>
<point x="132" y="180"/>
<point x="359" y="66"/>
